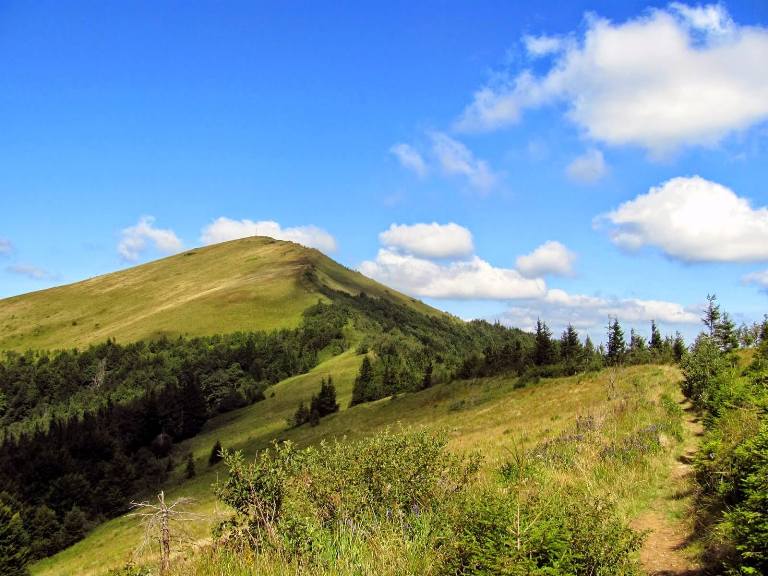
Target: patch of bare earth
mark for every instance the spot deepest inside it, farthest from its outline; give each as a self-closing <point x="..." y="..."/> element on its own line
<point x="664" y="551"/>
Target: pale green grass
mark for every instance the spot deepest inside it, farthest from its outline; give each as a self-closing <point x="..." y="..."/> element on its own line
<point x="487" y="415"/>
<point x="250" y="284"/>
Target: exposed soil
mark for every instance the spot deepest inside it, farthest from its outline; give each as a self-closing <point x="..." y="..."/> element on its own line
<point x="664" y="552"/>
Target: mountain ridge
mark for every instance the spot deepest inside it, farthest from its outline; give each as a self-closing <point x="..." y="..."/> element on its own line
<point x="255" y="283"/>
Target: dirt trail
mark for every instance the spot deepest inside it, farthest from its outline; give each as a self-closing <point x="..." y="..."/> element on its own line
<point x="663" y="553"/>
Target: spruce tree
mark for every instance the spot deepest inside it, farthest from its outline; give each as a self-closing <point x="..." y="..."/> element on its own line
<point x="14" y="543"/>
<point x="656" y="341"/>
<point x="725" y="333"/>
<point x="570" y="345"/>
<point x="363" y="388"/>
<point x="543" y="352"/>
<point x="215" y="454"/>
<point x="678" y="347"/>
<point x="616" y="346"/>
<point x="301" y="416"/>
<point x="711" y="316"/>
<point x="190" y="470"/>
<point x="326" y="399"/>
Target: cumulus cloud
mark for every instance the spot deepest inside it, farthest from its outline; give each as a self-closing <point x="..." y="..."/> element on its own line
<point x="5" y="246"/>
<point x="429" y="240"/>
<point x="409" y="158"/>
<point x="31" y="272"/>
<point x="538" y="46"/>
<point x="671" y="77"/>
<point x="694" y="220"/>
<point x="135" y="240"/>
<point x="469" y="279"/>
<point x="757" y="278"/>
<point x="456" y="159"/>
<point x="588" y="168"/>
<point x="549" y="258"/>
<point x="591" y="313"/>
<point x="223" y="229"/>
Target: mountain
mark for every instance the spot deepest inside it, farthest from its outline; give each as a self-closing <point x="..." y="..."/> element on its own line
<point x="256" y="283"/>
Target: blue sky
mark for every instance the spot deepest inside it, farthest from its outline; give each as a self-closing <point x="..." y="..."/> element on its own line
<point x="621" y="149"/>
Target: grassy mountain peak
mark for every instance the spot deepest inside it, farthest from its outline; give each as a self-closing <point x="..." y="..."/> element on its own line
<point x="255" y="283"/>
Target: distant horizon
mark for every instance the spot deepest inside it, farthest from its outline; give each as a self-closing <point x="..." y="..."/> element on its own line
<point x="496" y="161"/>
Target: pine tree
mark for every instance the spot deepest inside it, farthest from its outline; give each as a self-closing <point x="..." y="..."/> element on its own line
<point x="725" y="333"/>
<point x="215" y="454"/>
<point x="570" y="345"/>
<point x="301" y="416"/>
<point x="678" y="347"/>
<point x="190" y="470"/>
<point x="543" y="352"/>
<point x="314" y="417"/>
<point x="363" y="390"/>
<point x="711" y="316"/>
<point x="616" y="346"/>
<point x="656" y="341"/>
<point x="326" y="399"/>
<point x="14" y="543"/>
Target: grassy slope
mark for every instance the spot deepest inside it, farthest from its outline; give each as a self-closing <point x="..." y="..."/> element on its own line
<point x="485" y="415"/>
<point x="251" y="284"/>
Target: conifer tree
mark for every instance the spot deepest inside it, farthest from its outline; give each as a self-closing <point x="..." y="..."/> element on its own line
<point x="363" y="390"/>
<point x="326" y="399"/>
<point x="14" y="543"/>
<point x="570" y="345"/>
<point x="616" y="346"/>
<point x="314" y="417"/>
<point x="656" y="341"/>
<point x="711" y="316"/>
<point x="215" y="454"/>
<point x="543" y="352"/>
<point x="301" y="416"/>
<point x="678" y="347"/>
<point x="725" y="333"/>
<point x="190" y="469"/>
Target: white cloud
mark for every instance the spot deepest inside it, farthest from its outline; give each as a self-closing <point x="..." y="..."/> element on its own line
<point x="549" y="258"/>
<point x="429" y="240"/>
<point x="223" y="229"/>
<point x="5" y="246"/>
<point x="538" y="46"/>
<point x="135" y="240"/>
<point x="591" y="313"/>
<point x="758" y="278"/>
<point x="669" y="78"/>
<point x="694" y="220"/>
<point x="409" y="158"/>
<point x="471" y="279"/>
<point x="587" y="168"/>
<point x="456" y="159"/>
<point x="31" y="272"/>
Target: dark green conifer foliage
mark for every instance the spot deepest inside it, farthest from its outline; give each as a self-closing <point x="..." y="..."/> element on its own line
<point x="711" y="316"/>
<point x="363" y="390"/>
<point x="14" y="543"/>
<point x="190" y="469"/>
<point x="301" y="416"/>
<point x="678" y="347"/>
<point x="544" y="350"/>
<point x="215" y="454"/>
<point x="725" y="333"/>
<point x="326" y="398"/>
<point x="314" y="417"/>
<point x="617" y="347"/>
<point x="656" y="341"/>
<point x="74" y="526"/>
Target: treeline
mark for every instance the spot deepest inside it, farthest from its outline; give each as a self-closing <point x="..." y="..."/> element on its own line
<point x="231" y="370"/>
<point x="731" y="466"/>
<point x="73" y="461"/>
<point x="499" y="350"/>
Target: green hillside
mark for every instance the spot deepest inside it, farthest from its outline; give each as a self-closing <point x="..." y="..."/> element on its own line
<point x="251" y="284"/>
<point x="488" y="415"/>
